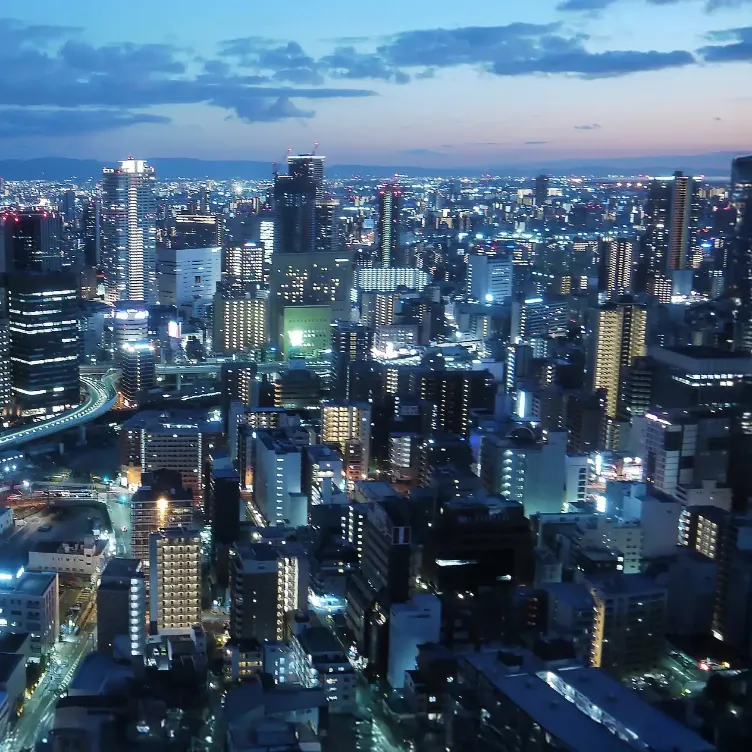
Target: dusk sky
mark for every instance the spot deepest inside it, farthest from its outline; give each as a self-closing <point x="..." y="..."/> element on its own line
<point x="420" y="82"/>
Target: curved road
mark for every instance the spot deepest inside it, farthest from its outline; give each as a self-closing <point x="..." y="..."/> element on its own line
<point x="102" y="395"/>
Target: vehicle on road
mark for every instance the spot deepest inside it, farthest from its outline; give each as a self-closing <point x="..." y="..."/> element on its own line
<point x="124" y="529"/>
<point x="44" y="528"/>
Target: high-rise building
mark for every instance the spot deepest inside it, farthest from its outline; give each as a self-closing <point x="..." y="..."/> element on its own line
<point x="139" y="370"/>
<point x="196" y="231"/>
<point x="739" y="272"/>
<point x="91" y="222"/>
<point x="129" y="234"/>
<point x="630" y="623"/>
<point x="619" y="334"/>
<point x="389" y="224"/>
<point x="268" y="581"/>
<point x="350" y="342"/>
<point x="240" y="317"/>
<point x="541" y="190"/>
<point x="534" y="317"/>
<point x="159" y="503"/>
<point x="247" y="262"/>
<point x="121" y="606"/>
<point x="188" y="275"/>
<point x="348" y="425"/>
<point x="617" y="266"/>
<point x="43" y="327"/>
<point x="489" y="278"/>
<point x="309" y="166"/>
<point x="671" y="214"/>
<point x="276" y="484"/>
<point x="31" y="241"/>
<point x="175" y="578"/>
<point x="294" y="214"/>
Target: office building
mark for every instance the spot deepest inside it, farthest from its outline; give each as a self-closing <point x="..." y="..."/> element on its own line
<point x="630" y="623"/>
<point x="277" y="480"/>
<point x="159" y="503"/>
<point x="489" y="278"/>
<point x="307" y="330"/>
<point x="540" y="191"/>
<point x="617" y="266"/>
<point x="30" y="241"/>
<point x="130" y="324"/>
<point x="129" y="235"/>
<point x="195" y="231"/>
<point x="121" y="606"/>
<point x="43" y="328"/>
<point x="524" y="467"/>
<point x="309" y="166"/>
<point x="619" y="336"/>
<point x="250" y="262"/>
<point x="175" y="578"/>
<point x="91" y="224"/>
<point x="319" y="660"/>
<point x="687" y="454"/>
<point x="294" y="214"/>
<point x="388" y="224"/>
<point x="29" y="603"/>
<point x="153" y="440"/>
<point x="240" y="317"/>
<point x="188" y="275"/>
<point x="411" y="624"/>
<point x="534" y="318"/>
<point x="348" y="426"/>
<point x="349" y="343"/>
<point x="139" y="370"/>
<point x="671" y="214"/>
<point x="390" y="279"/>
<point x="222" y="499"/>
<point x="268" y="582"/>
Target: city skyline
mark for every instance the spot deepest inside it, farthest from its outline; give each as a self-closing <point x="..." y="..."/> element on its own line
<point x="394" y="84"/>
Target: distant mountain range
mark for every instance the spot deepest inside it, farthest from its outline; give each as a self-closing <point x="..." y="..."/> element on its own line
<point x="59" y="169"/>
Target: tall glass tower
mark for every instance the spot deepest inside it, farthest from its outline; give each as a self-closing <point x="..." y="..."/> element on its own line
<point x="129" y="234"/>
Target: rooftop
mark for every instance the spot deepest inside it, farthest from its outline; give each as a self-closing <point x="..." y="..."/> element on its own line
<point x="34" y="584"/>
<point x="320" y="640"/>
<point x="626" y="584"/>
<point x="573" y="594"/>
<point x="123" y="568"/>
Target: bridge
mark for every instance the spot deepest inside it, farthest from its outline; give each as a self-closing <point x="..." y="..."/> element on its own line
<point x="101" y="396"/>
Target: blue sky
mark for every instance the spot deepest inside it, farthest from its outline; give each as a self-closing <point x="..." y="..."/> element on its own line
<point x="441" y="83"/>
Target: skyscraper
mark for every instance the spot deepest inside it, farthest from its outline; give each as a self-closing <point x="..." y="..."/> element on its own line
<point x="43" y="325"/>
<point x="308" y="166"/>
<point x="129" y="235"/>
<point x="739" y="272"/>
<point x="619" y="333"/>
<point x="294" y="213"/>
<point x="350" y="342"/>
<point x="541" y="190"/>
<point x="175" y="578"/>
<point x="617" y="266"/>
<point x="91" y="222"/>
<point x="388" y="224"/>
<point x="240" y="317"/>
<point x="31" y="241"/>
<point x="670" y="217"/>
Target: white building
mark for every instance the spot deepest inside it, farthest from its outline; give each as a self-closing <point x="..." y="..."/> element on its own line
<point x="88" y="558"/>
<point x="320" y="661"/>
<point x="489" y="278"/>
<point x="659" y="519"/>
<point x="536" y="318"/>
<point x="389" y="279"/>
<point x="410" y="625"/>
<point x="186" y="275"/>
<point x="129" y="232"/>
<point x="175" y="578"/>
<point x="277" y="483"/>
<point x="7" y="519"/>
<point x="575" y="479"/>
<point x="29" y="603"/>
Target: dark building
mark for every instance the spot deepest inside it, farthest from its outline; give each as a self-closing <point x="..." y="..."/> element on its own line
<point x="121" y="606"/>
<point x="222" y="499"/>
<point x="43" y="324"/>
<point x="294" y="214"/>
<point x="195" y="231"/>
<point x="541" y="190"/>
<point x="389" y="224"/>
<point x="475" y="544"/>
<point x="350" y="342"/>
<point x="31" y="241"/>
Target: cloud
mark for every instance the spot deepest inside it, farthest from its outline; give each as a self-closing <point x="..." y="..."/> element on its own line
<point x="718" y="120"/>
<point x="738" y="47"/>
<point x="596" y="6"/>
<point x="64" y="82"/>
<point x="535" y="143"/>
<point x="520" y="49"/>
<point x="22" y="121"/>
<point x="588" y="127"/>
